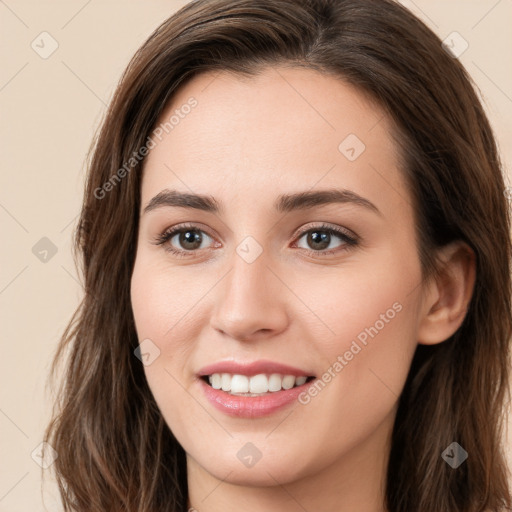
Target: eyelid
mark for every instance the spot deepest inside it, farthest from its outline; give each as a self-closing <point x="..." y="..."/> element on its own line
<point x="170" y="232"/>
<point x="349" y="237"/>
<point x="193" y="226"/>
<point x="325" y="226"/>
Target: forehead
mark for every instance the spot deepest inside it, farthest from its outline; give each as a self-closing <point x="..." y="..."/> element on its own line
<point x="282" y="130"/>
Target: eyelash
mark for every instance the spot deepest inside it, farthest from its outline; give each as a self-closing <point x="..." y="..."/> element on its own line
<point x="349" y="241"/>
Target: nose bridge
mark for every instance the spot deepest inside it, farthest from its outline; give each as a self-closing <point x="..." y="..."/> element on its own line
<point x="251" y="297"/>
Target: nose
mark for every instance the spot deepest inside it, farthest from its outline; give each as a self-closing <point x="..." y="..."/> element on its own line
<point x="251" y="301"/>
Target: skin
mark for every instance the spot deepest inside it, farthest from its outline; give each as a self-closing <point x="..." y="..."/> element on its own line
<point x="248" y="141"/>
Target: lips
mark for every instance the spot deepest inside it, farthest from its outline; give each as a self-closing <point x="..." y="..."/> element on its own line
<point x="253" y="368"/>
<point x="235" y="402"/>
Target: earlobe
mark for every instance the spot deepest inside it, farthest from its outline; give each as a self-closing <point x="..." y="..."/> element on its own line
<point x="449" y="293"/>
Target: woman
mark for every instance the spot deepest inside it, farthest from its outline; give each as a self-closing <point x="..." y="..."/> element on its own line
<point x="295" y="246"/>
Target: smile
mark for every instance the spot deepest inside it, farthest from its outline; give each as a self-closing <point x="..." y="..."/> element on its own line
<point x="255" y="385"/>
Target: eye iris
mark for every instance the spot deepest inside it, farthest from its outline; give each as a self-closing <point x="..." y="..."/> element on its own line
<point x="190" y="237"/>
<point x="319" y="237"/>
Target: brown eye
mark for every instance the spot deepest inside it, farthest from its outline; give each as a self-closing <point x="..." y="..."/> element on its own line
<point x="190" y="239"/>
<point x="320" y="240"/>
<point x="183" y="240"/>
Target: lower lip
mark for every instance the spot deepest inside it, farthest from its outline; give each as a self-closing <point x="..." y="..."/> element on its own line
<point x="252" y="406"/>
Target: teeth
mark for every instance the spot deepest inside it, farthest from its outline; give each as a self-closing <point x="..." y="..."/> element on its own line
<point x="226" y="382"/>
<point x="256" y="384"/>
<point x="288" y="381"/>
<point x="216" y="380"/>
<point x="274" y="382"/>
<point x="240" y="384"/>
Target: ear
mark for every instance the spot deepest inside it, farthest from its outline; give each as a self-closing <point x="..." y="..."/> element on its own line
<point x="447" y="295"/>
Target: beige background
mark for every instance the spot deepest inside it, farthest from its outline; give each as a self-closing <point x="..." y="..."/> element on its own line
<point x="49" y="111"/>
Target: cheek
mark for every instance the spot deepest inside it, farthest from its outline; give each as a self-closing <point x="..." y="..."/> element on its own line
<point x="369" y="303"/>
<point x="360" y="387"/>
<point x="373" y="315"/>
<point x="163" y="298"/>
<point x="369" y="358"/>
<point x="165" y="308"/>
<point x="160" y="313"/>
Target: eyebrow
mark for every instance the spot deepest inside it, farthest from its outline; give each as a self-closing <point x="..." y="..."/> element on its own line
<point x="284" y="203"/>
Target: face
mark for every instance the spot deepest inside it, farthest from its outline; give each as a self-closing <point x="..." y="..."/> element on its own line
<point x="300" y="261"/>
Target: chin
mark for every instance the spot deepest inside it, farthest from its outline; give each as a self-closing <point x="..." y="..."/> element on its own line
<point x="262" y="474"/>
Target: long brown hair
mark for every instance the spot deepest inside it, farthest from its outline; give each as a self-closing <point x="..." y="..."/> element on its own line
<point x="115" y="451"/>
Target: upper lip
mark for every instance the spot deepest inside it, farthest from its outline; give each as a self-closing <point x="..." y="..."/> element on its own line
<point x="252" y="368"/>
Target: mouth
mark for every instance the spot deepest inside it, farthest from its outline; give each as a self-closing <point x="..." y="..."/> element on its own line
<point x="254" y="385"/>
<point x="253" y="389"/>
